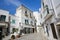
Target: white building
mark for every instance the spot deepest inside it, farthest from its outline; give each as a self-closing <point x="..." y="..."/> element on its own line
<point x="14" y="24"/>
<point x="26" y="19"/>
<point x="37" y="17"/>
<point x="8" y="23"/>
<point x="48" y="19"/>
<point x="4" y="22"/>
<point x="56" y="6"/>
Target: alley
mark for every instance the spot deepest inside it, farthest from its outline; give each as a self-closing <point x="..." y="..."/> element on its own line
<point x="32" y="36"/>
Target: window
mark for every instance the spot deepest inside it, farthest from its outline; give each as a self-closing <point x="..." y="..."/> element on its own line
<point x="26" y="13"/>
<point x="2" y="18"/>
<point x="26" y="22"/>
<point x="13" y="21"/>
<point x="31" y="23"/>
<point x="43" y="4"/>
<point x="30" y="15"/>
<point x="47" y="30"/>
<point x="47" y="9"/>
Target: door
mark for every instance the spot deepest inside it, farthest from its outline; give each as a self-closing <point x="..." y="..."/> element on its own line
<point x="53" y="30"/>
<point x="0" y="33"/>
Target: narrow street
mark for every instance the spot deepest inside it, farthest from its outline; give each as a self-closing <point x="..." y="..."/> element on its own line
<point x="32" y="36"/>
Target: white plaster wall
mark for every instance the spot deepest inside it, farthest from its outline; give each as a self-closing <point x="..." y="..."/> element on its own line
<point x="21" y="13"/>
<point x="16" y="24"/>
<point x="4" y="12"/>
<point x="43" y="12"/>
<point x="37" y="17"/>
<point x="56" y="5"/>
<point x="18" y="13"/>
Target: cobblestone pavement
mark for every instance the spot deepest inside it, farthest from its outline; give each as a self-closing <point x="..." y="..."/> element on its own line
<point x="6" y="38"/>
<point x="32" y="36"/>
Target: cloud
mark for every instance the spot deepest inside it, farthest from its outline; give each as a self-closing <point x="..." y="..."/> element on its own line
<point x="14" y="2"/>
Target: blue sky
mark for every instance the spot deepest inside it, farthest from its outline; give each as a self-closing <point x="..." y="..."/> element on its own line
<point x="12" y="5"/>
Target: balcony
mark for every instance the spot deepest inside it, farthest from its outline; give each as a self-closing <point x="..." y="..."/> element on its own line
<point x="29" y="25"/>
<point x="48" y="15"/>
<point x="26" y="15"/>
<point x="30" y="16"/>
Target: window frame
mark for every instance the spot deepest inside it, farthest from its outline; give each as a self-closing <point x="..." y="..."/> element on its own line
<point x="2" y="17"/>
<point x="26" y="22"/>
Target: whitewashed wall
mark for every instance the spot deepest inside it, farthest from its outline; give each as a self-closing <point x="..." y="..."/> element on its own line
<point x="20" y="12"/>
<point x="4" y="12"/>
<point x="56" y="6"/>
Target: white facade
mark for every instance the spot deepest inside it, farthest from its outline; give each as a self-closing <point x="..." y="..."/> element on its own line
<point x="8" y="23"/>
<point x="25" y="14"/>
<point x="4" y="22"/>
<point x="37" y="17"/>
<point x="47" y="18"/>
<point x="6" y="13"/>
<point x="14" y="23"/>
<point x="56" y="6"/>
<point x="21" y="13"/>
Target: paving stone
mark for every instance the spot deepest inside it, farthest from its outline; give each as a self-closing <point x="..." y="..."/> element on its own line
<point x="32" y="36"/>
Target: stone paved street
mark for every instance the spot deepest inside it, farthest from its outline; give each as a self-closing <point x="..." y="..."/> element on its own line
<point x="33" y="36"/>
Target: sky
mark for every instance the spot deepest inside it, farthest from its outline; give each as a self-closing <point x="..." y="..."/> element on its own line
<point x="12" y="5"/>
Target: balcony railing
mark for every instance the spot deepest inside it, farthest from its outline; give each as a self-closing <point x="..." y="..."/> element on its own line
<point x="30" y="16"/>
<point x="29" y="25"/>
<point x="26" y="15"/>
<point x="48" y="15"/>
